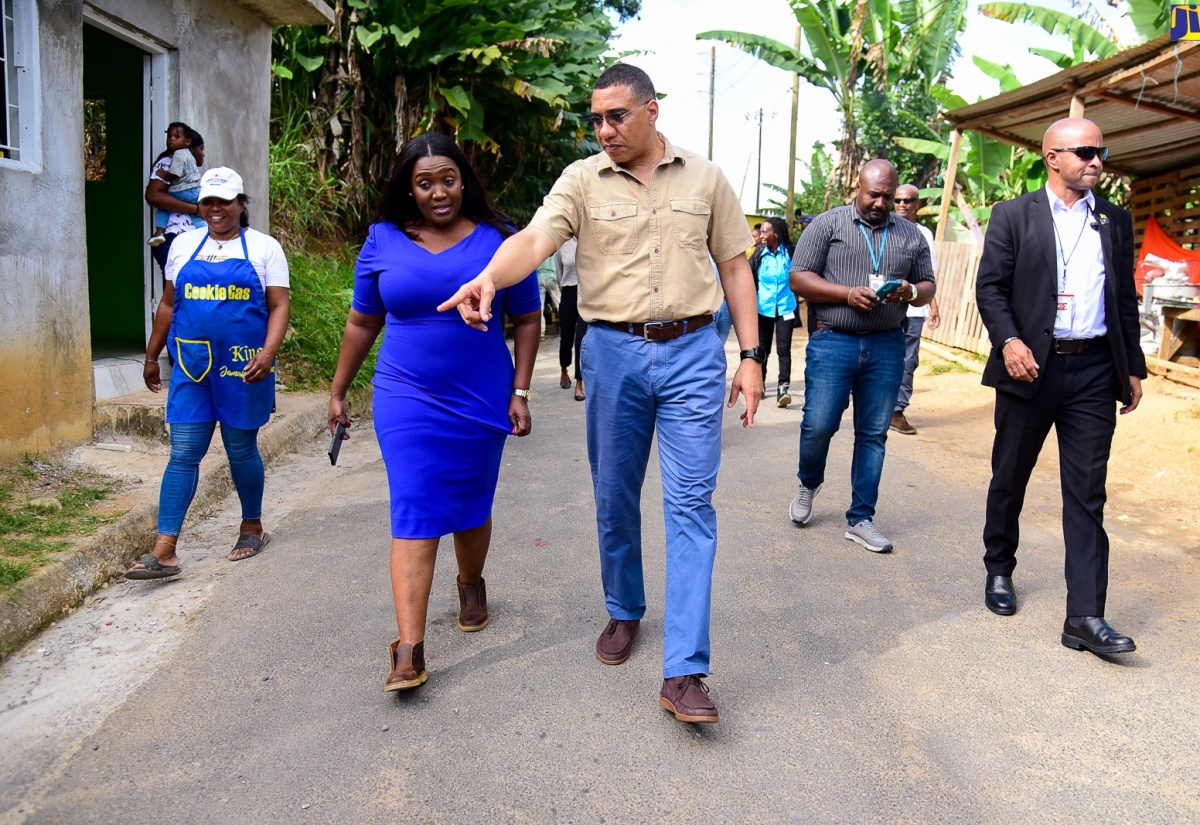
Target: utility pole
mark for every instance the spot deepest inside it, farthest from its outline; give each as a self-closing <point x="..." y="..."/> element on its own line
<point x="758" y="190"/>
<point x="789" y="214"/>
<point x="712" y="81"/>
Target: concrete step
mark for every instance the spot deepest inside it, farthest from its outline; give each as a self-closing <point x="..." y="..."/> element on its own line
<point x="139" y="414"/>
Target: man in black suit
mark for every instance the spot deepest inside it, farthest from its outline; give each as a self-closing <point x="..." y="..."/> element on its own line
<point x="1055" y="290"/>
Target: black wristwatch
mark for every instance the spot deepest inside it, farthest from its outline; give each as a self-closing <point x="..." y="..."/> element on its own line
<point x="759" y="354"/>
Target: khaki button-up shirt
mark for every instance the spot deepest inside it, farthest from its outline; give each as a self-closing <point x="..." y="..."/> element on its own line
<point x="644" y="250"/>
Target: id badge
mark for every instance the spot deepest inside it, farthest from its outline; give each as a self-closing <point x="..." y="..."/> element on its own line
<point x="789" y="316"/>
<point x="1065" y="314"/>
<point x="875" y="281"/>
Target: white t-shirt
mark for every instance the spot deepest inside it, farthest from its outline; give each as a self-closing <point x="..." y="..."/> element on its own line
<point x="923" y="312"/>
<point x="265" y="254"/>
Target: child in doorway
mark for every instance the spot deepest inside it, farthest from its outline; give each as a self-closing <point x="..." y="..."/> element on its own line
<point x="179" y="167"/>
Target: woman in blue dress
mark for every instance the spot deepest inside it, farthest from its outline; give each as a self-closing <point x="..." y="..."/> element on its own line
<point x="445" y="396"/>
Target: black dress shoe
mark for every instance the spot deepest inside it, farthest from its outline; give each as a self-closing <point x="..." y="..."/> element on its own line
<point x="999" y="596"/>
<point x="1095" y="634"/>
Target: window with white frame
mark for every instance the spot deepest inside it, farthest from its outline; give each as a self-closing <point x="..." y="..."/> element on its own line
<point x="18" y="74"/>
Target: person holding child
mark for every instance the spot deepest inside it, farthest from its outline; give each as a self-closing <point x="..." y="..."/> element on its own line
<point x="173" y="189"/>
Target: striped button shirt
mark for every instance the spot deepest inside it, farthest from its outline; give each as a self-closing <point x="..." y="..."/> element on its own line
<point x="833" y="247"/>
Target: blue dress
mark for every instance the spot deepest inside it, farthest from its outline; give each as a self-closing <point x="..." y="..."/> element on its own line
<point x="441" y="388"/>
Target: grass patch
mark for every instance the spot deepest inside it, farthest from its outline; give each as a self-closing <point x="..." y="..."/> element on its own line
<point x="322" y="285"/>
<point x="941" y="369"/>
<point x="43" y="506"/>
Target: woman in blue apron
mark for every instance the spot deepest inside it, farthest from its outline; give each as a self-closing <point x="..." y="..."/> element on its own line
<point x="223" y="315"/>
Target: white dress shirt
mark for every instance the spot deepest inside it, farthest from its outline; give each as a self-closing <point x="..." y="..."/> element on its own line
<point x="1079" y="270"/>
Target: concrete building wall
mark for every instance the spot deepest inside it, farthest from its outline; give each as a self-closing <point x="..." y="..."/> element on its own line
<point x="45" y="336"/>
<point x="220" y="84"/>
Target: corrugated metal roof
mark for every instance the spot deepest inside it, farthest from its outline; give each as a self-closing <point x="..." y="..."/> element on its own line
<point x="1146" y="100"/>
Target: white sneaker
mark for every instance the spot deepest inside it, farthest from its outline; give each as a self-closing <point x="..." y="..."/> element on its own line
<point x="156" y="240"/>
<point x="865" y="534"/>
<point x="784" y="397"/>
<point x="801" y="509"/>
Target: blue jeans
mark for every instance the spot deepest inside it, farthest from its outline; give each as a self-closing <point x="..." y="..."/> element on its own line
<point x="189" y="443"/>
<point x="724" y="322"/>
<point x="912" y="358"/>
<point x="838" y="366"/>
<point x="676" y="388"/>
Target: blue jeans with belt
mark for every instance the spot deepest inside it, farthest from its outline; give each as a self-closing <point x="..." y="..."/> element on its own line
<point x="189" y="443"/>
<point x="677" y="388"/>
<point x="840" y="366"/>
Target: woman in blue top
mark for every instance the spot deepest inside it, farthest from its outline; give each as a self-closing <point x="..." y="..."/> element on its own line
<point x="776" y="303"/>
<point x="445" y="397"/>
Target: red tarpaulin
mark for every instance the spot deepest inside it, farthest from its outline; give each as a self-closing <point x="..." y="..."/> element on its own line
<point x="1158" y="243"/>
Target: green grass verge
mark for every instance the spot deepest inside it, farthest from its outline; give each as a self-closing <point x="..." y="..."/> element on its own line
<point x="44" y="505"/>
<point x="941" y="369"/>
<point x="322" y="285"/>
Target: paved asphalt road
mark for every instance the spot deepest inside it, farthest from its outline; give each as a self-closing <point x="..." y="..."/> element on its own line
<point x="852" y="687"/>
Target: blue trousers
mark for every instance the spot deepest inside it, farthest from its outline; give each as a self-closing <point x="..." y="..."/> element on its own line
<point x="840" y="366"/>
<point x="912" y="359"/>
<point x="635" y="389"/>
<point x="189" y="443"/>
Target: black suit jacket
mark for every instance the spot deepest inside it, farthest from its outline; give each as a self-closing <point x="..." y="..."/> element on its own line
<point x="1017" y="289"/>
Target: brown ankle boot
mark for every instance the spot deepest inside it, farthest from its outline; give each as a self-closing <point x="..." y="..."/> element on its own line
<point x="472" y="601"/>
<point x="408" y="666"/>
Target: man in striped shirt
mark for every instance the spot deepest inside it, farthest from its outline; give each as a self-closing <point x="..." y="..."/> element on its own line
<point x="846" y="259"/>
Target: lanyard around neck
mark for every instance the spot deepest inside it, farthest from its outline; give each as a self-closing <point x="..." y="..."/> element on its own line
<point x="876" y="259"/>
<point x="1062" y="253"/>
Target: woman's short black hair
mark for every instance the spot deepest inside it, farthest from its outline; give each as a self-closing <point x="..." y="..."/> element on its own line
<point x="400" y="208"/>
<point x="781" y="230"/>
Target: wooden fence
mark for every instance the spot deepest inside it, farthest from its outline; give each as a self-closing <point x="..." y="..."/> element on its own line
<point x="961" y="326"/>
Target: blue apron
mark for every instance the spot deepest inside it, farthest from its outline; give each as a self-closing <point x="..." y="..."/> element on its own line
<point x="219" y="324"/>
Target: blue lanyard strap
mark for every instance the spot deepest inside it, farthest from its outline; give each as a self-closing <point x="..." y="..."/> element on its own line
<point x="876" y="259"/>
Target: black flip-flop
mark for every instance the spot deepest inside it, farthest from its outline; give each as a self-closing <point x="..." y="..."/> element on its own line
<point x="151" y="568"/>
<point x="246" y="540"/>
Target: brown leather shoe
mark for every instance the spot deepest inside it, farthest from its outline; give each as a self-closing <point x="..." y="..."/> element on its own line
<point x="408" y="666"/>
<point x="687" y="698"/>
<point x="616" y="642"/>
<point x="900" y="424"/>
<point x="472" y="606"/>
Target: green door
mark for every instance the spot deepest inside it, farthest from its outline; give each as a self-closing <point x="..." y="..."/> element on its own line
<point x="114" y="159"/>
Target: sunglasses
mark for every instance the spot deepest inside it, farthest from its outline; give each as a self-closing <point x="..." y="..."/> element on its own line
<point x="906" y="200"/>
<point x="593" y="121"/>
<point x="1085" y="152"/>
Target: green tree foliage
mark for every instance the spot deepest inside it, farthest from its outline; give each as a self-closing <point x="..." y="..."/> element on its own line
<point x="510" y="79"/>
<point x="1090" y="36"/>
<point x="846" y="41"/>
<point x="813" y="192"/>
<point x="905" y="109"/>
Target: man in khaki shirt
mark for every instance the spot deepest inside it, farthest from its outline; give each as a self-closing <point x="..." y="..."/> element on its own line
<point x="648" y="216"/>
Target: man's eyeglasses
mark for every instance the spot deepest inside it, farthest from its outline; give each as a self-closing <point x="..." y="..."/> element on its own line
<point x="906" y="200"/>
<point x="1085" y="152"/>
<point x="593" y="121"/>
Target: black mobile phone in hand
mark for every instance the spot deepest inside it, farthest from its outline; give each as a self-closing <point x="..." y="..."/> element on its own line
<point x="335" y="446"/>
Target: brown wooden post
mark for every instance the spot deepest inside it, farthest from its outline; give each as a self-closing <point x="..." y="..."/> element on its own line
<point x="1076" y="106"/>
<point x="956" y="139"/>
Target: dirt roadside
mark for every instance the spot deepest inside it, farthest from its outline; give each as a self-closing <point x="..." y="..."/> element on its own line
<point x="1152" y="473"/>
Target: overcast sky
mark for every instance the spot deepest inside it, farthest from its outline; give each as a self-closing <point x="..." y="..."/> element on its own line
<point x="679" y="65"/>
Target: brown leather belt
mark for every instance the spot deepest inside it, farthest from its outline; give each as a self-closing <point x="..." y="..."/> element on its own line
<point x="1073" y="346"/>
<point x="662" y="330"/>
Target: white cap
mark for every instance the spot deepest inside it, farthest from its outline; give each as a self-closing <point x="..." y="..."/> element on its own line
<point x="222" y="182"/>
